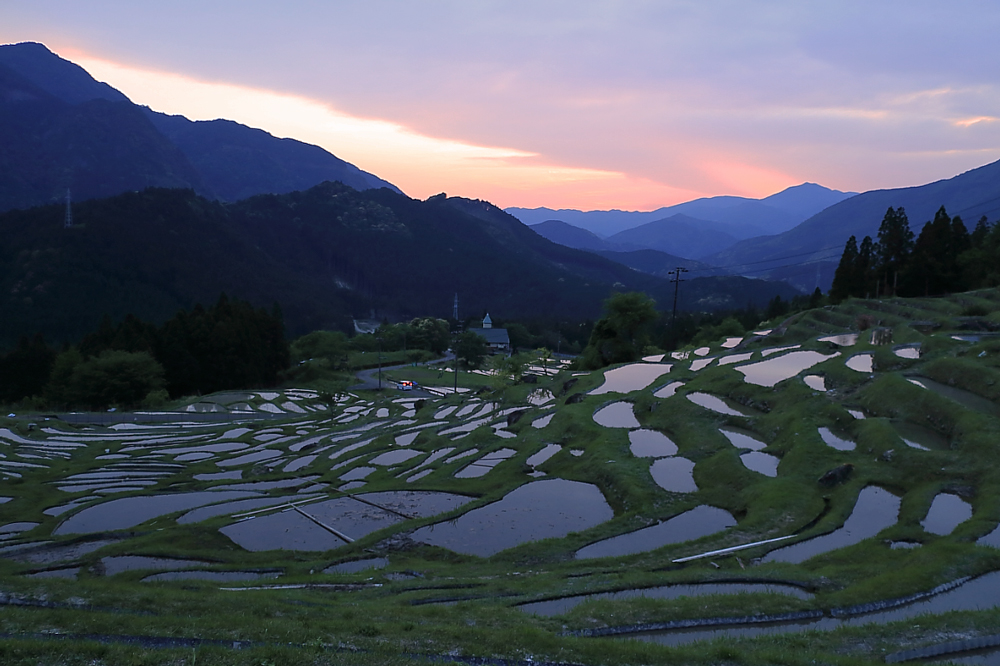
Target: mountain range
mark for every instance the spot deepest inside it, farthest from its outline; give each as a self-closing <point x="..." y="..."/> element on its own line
<point x="62" y="130"/>
<point x="740" y="217"/>
<point x="807" y="255"/>
<point x="324" y="254"/>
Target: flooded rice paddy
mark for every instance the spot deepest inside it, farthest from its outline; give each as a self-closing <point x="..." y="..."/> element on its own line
<point x="317" y="487"/>
<point x="778" y="369"/>
<point x="554" y="607"/>
<point x="875" y="510"/>
<point x="688" y="526"/>
<point x="650" y="444"/>
<point x="538" y="510"/>
<point x="633" y="377"/>
<point x="835" y="441"/>
<point x="617" y="415"/>
<point x="946" y="513"/>
<point x="674" y="474"/>
<point x="715" y="404"/>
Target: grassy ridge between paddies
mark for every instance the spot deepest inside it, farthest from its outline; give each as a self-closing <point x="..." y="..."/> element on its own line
<point x="428" y="601"/>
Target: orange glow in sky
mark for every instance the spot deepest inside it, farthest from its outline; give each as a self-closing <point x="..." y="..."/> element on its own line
<point x="418" y="164"/>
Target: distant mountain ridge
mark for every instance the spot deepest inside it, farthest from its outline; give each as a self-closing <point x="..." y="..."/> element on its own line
<point x="807" y="255"/>
<point x="747" y="217"/>
<point x="61" y="129"/>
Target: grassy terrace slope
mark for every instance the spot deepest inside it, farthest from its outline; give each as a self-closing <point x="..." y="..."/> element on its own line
<point x="89" y="557"/>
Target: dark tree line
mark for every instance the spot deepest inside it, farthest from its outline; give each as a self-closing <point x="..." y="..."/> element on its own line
<point x="944" y="258"/>
<point x="228" y="345"/>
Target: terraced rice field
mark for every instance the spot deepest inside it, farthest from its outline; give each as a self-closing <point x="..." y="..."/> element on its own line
<point x="797" y="480"/>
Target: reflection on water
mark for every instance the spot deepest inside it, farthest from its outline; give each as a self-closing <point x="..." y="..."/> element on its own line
<point x="668" y="390"/>
<point x="741" y="439"/>
<point x="715" y="404"/>
<point x="701" y="363"/>
<point x="674" y="474"/>
<point x="355" y="566"/>
<point x="842" y="339"/>
<point x="763" y="463"/>
<point x="128" y="512"/>
<point x="563" y="605"/>
<point x="861" y="363"/>
<point x="909" y="351"/>
<point x="650" y="444"/>
<point x="965" y="398"/>
<point x="545" y="509"/>
<point x="543" y="455"/>
<point x="835" y="442"/>
<point x="770" y="372"/>
<point x="694" y="524"/>
<point x="977" y="594"/>
<point x="542" y="421"/>
<point x="215" y="576"/>
<point x="919" y="437"/>
<point x="631" y="377"/>
<point x="875" y="510"/>
<point x="735" y="358"/>
<point x="946" y="513"/>
<point x="815" y="382"/>
<point x="731" y="342"/>
<point x="616" y="415"/>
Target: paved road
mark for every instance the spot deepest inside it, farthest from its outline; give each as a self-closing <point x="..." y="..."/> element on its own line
<point x="369" y="378"/>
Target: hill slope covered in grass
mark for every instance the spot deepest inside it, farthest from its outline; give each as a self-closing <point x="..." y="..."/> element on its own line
<point x="560" y="518"/>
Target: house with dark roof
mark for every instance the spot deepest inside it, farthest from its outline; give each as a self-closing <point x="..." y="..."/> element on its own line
<point x="496" y="338"/>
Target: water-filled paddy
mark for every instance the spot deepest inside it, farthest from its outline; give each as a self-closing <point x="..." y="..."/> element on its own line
<point x="674" y="474"/>
<point x="762" y="463"/>
<point x="774" y="370"/>
<point x="668" y="390"/>
<point x="538" y="510"/>
<point x="977" y="594"/>
<point x="946" y="513"/>
<point x="967" y="399"/>
<point x="694" y="524"/>
<point x="553" y="607"/>
<point x="650" y="444"/>
<point x="841" y="339"/>
<point x="861" y="363"/>
<point x="617" y="415"/>
<point x="742" y="440"/>
<point x="631" y="377"/>
<point x="875" y="510"/>
<point x="835" y="441"/>
<point x="715" y="404"/>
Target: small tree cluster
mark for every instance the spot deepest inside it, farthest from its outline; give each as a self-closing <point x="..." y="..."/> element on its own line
<point x="944" y="258"/>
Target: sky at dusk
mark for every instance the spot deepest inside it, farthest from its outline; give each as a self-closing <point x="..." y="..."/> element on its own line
<point x="590" y="105"/>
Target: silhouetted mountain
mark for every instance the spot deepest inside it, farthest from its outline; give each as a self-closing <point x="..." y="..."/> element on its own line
<point x="60" y="78"/>
<point x="62" y="129"/>
<point x="659" y="263"/>
<point x="814" y="247"/>
<point x="324" y="254"/>
<point x="678" y="235"/>
<point x="97" y="148"/>
<point x="236" y="161"/>
<point x="559" y="232"/>
<point x="747" y="217"/>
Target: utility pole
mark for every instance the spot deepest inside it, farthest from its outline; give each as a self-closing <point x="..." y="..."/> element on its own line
<point x="677" y="280"/>
<point x="68" y="222"/>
